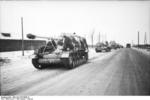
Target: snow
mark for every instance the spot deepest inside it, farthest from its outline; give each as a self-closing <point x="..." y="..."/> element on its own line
<point x="144" y="51"/>
<point x="15" y="55"/>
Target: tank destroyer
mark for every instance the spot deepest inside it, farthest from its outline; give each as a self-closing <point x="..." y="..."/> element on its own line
<point x="68" y="50"/>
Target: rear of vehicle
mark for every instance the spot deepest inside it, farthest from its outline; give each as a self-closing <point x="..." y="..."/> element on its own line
<point x="128" y="45"/>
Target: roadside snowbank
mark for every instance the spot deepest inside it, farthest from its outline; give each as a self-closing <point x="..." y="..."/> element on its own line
<point x="144" y="51"/>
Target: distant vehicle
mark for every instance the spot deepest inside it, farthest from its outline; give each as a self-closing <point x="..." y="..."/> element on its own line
<point x="119" y="46"/>
<point x="113" y="45"/>
<point x="71" y="51"/>
<point x="102" y="47"/>
<point x="128" y="45"/>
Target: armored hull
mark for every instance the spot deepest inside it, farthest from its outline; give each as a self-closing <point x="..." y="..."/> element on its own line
<point x="70" y="51"/>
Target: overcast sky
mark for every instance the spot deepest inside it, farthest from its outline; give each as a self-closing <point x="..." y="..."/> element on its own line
<point x="119" y="21"/>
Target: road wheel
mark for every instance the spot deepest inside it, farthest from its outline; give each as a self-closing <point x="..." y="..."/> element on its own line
<point x="80" y="61"/>
<point x="108" y="49"/>
<point x="71" y="62"/>
<point x="36" y="64"/>
<point x="75" y="61"/>
<point x="84" y="59"/>
<point x="96" y="50"/>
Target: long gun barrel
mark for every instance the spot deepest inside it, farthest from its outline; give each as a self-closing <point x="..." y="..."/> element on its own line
<point x="31" y="36"/>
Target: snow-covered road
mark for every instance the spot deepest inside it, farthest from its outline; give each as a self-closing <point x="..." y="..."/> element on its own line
<point x="119" y="72"/>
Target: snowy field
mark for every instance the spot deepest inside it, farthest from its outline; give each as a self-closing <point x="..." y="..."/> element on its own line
<point x="14" y="56"/>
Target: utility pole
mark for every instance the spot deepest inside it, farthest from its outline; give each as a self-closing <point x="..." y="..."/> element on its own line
<point x="99" y="37"/>
<point x="85" y="36"/>
<point x="145" y="39"/>
<point x="105" y="36"/>
<point x="92" y="36"/>
<point x="149" y="37"/>
<point x="138" y="39"/>
<point x="22" y="36"/>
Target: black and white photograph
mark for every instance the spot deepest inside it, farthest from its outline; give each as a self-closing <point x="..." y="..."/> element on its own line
<point x="74" y="48"/>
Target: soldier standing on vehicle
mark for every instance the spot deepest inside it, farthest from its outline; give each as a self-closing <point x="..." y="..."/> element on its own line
<point x="67" y="43"/>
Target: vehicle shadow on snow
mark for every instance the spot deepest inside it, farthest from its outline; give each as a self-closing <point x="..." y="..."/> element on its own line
<point x="62" y="67"/>
<point x="54" y="66"/>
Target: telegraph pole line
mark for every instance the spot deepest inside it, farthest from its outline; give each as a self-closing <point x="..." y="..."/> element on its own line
<point x="22" y="36"/>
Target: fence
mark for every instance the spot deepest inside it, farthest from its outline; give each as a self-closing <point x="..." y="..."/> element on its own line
<point x="16" y="45"/>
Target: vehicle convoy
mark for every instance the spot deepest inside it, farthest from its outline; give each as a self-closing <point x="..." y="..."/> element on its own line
<point x="102" y="47"/>
<point x="70" y="50"/>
